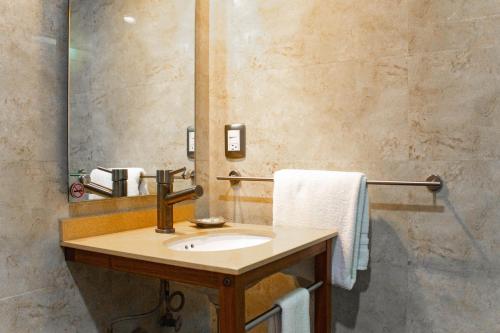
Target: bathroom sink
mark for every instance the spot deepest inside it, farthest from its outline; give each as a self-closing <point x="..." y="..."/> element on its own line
<point x="218" y="242"/>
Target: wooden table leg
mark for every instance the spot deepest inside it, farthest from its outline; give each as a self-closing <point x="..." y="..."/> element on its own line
<point x="322" y="296"/>
<point x="232" y="305"/>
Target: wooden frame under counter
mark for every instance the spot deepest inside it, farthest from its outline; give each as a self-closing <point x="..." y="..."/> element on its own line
<point x="133" y="246"/>
<point x="231" y="287"/>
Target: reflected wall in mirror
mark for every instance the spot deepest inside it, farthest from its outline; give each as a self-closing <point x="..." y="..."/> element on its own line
<point x="131" y="94"/>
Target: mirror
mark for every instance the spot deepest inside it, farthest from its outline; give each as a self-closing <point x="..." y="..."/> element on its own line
<point x="130" y="96"/>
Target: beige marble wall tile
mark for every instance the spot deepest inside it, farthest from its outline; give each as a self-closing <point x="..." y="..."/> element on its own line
<point x="421" y="75"/>
<point x="459" y="302"/>
<point x="94" y="286"/>
<point x="39" y="291"/>
<point x="46" y="310"/>
<point x="464" y="236"/>
<point x="345" y="99"/>
<point x="431" y="36"/>
<point x="312" y="32"/>
<point x="453" y="105"/>
<point x="35" y="291"/>
<point x="30" y="255"/>
<point x="23" y="108"/>
<point x="438" y="11"/>
<point x="374" y="304"/>
<point x="396" y="89"/>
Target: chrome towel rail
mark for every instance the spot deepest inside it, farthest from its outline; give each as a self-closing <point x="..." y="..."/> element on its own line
<point x="275" y="310"/>
<point x="433" y="183"/>
<point x="186" y="174"/>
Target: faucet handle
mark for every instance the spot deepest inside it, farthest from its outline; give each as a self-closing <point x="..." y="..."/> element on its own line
<point x="174" y="172"/>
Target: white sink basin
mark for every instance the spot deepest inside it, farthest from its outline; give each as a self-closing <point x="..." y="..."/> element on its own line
<point x="218" y="242"/>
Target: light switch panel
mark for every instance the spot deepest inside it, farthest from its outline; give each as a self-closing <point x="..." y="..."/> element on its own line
<point x="235" y="137"/>
<point x="190" y="142"/>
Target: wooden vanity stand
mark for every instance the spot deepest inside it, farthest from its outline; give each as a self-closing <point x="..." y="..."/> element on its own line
<point x="231" y="287"/>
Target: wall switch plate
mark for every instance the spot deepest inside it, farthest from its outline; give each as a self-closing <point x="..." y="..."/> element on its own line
<point x="235" y="137"/>
<point x="190" y="145"/>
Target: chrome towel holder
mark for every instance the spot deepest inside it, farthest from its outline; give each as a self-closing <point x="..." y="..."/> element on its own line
<point x="433" y="183"/>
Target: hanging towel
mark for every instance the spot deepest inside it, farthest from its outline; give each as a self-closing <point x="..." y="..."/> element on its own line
<point x="327" y="199"/>
<point x="135" y="184"/>
<point x="294" y="313"/>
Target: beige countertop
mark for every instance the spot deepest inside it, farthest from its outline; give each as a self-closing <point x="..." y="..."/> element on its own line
<point x="145" y="244"/>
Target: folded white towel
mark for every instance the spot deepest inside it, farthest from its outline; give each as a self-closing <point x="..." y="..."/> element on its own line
<point x="294" y="313"/>
<point x="327" y="199"/>
<point x="135" y="184"/>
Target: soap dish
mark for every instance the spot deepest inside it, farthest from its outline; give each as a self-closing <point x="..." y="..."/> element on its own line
<point x="209" y="222"/>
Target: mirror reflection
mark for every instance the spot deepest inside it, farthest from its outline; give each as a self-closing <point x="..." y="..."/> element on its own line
<point x="131" y="95"/>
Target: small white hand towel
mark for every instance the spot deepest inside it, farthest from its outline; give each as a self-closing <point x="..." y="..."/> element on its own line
<point x="294" y="313"/>
<point x="327" y="199"/>
<point x="135" y="184"/>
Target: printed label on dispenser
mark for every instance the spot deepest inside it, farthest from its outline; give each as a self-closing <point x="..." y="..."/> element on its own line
<point x="191" y="142"/>
<point x="233" y="140"/>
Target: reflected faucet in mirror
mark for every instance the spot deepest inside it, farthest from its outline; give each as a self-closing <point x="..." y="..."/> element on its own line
<point x="166" y="198"/>
<point x="119" y="187"/>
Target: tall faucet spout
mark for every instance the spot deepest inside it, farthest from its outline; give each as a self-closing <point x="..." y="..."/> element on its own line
<point x="191" y="193"/>
<point x="166" y="198"/>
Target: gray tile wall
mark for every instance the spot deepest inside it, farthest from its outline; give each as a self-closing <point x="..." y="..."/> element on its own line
<point x="39" y="291"/>
<point x="425" y="101"/>
<point x="399" y="90"/>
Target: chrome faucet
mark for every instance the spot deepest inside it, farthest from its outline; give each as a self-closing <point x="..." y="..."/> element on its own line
<point x="166" y="198"/>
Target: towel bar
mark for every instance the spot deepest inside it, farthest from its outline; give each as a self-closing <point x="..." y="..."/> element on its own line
<point x="189" y="174"/>
<point x="433" y="183"/>
<point x="275" y="310"/>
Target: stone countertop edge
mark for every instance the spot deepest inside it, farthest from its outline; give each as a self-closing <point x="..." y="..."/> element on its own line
<point x="147" y="245"/>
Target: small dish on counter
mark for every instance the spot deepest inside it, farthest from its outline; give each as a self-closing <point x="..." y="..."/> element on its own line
<point x="209" y="222"/>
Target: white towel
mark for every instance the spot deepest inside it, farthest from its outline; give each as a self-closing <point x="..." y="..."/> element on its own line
<point x="294" y="313"/>
<point x="327" y="199"/>
<point x="139" y="185"/>
<point x="135" y="184"/>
